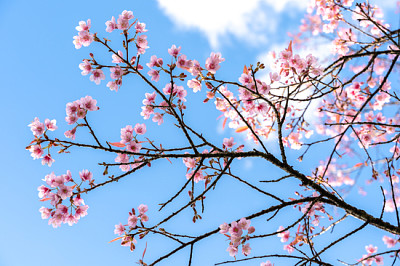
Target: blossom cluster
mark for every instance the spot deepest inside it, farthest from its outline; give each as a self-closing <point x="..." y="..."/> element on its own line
<point x="95" y="69"/>
<point x="255" y="103"/>
<point x="285" y="235"/>
<point x="60" y="188"/>
<point x="38" y="129"/>
<point x="130" y="143"/>
<point x="127" y="231"/>
<point x="84" y="37"/>
<point x="370" y="258"/>
<point x="328" y="15"/>
<point x="236" y="237"/>
<point x="77" y="110"/>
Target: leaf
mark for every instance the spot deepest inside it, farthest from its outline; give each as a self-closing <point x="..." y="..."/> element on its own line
<point x="241" y="129"/>
<point x="115" y="239"/>
<point x="224" y="123"/>
<point x="117" y="144"/>
<point x="245" y="70"/>
<point x="290" y="47"/>
<point x="144" y="252"/>
<point x="45" y="199"/>
<point x="358" y="164"/>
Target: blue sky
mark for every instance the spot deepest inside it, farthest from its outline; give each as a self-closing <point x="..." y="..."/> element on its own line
<point x="40" y="75"/>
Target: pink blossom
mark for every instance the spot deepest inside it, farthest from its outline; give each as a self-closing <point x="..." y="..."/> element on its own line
<point x="141" y="41"/>
<point x="154" y="74"/>
<point x="194" y="84"/>
<point x="111" y="25"/>
<point x="144" y="218"/>
<point x="173" y="51"/>
<point x="45" y="212"/>
<point x="140" y="129"/>
<point x="64" y="191"/>
<point x="81" y="211"/>
<point x="71" y="220"/>
<point x="228" y="143"/>
<point x="114" y="85"/>
<point x="289" y="248"/>
<point x="378" y="260"/>
<point x="371" y="249"/>
<point x="70" y="133"/>
<point x="126" y="134"/>
<point x="36" y="151"/>
<point x="43" y="191"/>
<point x="37" y="127"/>
<point x="117" y="58"/>
<point x="150" y="98"/>
<point x="142" y="208"/>
<point x="81" y="113"/>
<point x="119" y="229"/>
<point x="116" y="72"/>
<point x="389" y="242"/>
<point x="197" y="177"/>
<point x="123" y="158"/>
<point x="97" y="76"/>
<point x="67" y="177"/>
<point x="235" y="229"/>
<point x="147" y="111"/>
<point x="246" y="249"/>
<point x="158" y="118"/>
<point x="86" y="67"/>
<point x="232" y="250"/>
<point x="267" y="263"/>
<point x="155" y="62"/>
<point x="53" y="181"/>
<point x="85" y="175"/>
<point x="50" y="124"/>
<point x="83" y="26"/>
<point x="133" y="146"/>
<point x="47" y="160"/>
<point x="122" y="24"/>
<point x="212" y="63"/>
<point x="283" y="235"/>
<point x="84" y="38"/>
<point x="251" y="230"/>
<point x="140" y="27"/>
<point x="88" y="103"/>
<point x="132" y="220"/>
<point x="189" y="162"/>
<point x="245" y="79"/>
<point x="182" y="62"/>
<point x="274" y="77"/>
<point x="244" y="224"/>
<point x="78" y="201"/>
<point x="224" y="228"/>
<point x="126" y="15"/>
<point x="181" y="93"/>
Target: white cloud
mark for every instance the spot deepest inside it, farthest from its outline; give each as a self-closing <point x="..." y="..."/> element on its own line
<point x="247" y="20"/>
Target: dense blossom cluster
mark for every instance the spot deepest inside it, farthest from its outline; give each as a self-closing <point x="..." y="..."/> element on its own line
<point x="236" y="237"/>
<point x="255" y="101"/>
<point x="64" y="188"/>
<point x="135" y="226"/>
